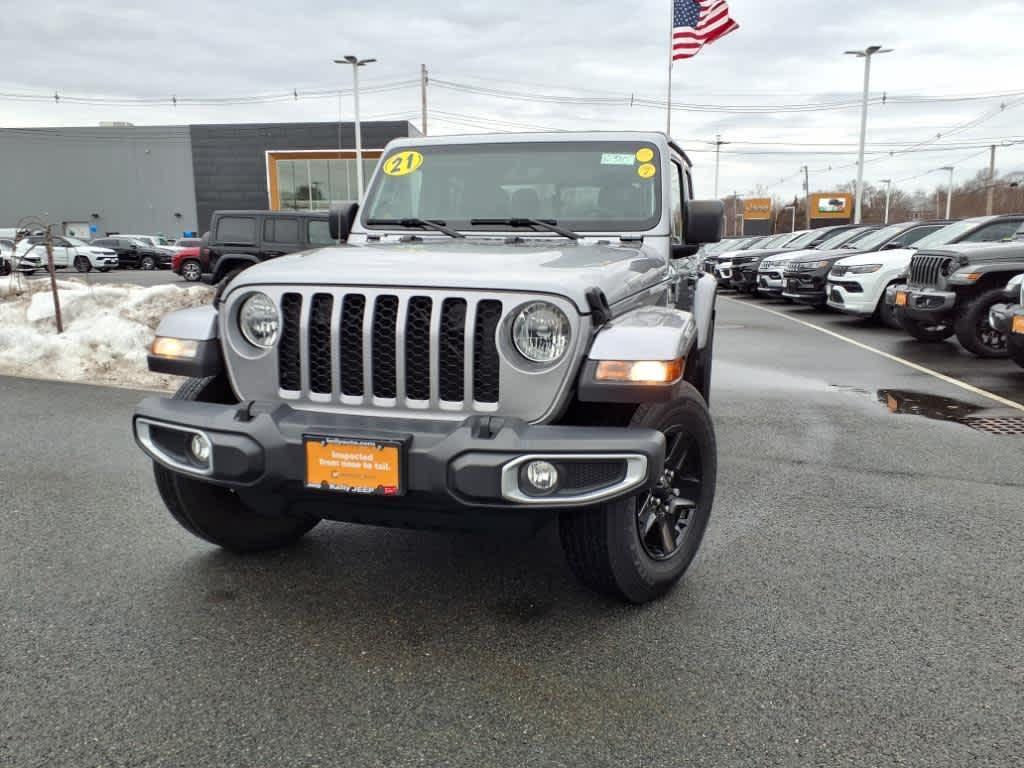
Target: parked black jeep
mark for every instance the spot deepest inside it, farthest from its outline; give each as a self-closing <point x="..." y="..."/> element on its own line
<point x="239" y="239"/>
<point x="950" y="290"/>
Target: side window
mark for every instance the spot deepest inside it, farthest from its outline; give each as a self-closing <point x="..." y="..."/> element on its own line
<point x="677" y="203"/>
<point x="237" y="230"/>
<point x="914" y="235"/>
<point x="319" y="233"/>
<point x="1000" y="230"/>
<point x="281" y="230"/>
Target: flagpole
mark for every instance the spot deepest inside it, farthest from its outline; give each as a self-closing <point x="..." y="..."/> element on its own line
<point x="671" y="60"/>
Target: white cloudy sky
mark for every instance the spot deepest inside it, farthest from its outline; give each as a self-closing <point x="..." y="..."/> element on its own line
<point x="785" y="53"/>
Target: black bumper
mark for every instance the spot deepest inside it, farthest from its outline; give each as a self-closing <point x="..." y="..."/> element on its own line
<point x="744" y="278"/>
<point x="929" y="305"/>
<point x="806" y="287"/>
<point x="260" y="448"/>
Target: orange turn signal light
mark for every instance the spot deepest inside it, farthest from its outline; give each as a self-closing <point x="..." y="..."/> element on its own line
<point x="1018" y="324"/>
<point x="641" y="371"/>
<point x="972" y="276"/>
<point x="177" y="349"/>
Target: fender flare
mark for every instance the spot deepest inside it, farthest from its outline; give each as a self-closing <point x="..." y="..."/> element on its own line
<point x="705" y="297"/>
<point x="229" y="261"/>
<point x="199" y="324"/>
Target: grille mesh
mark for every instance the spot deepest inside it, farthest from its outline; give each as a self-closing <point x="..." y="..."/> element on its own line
<point x="385" y="322"/>
<point x="351" y="344"/>
<point x="486" y="365"/>
<point x="320" y="358"/>
<point x="417" y="348"/>
<point x="289" y="348"/>
<point x="453" y="345"/>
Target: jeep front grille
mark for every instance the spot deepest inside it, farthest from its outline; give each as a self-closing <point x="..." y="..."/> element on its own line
<point x="365" y="339"/>
<point x="926" y="270"/>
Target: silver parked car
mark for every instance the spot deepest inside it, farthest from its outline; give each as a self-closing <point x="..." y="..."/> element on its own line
<point x="501" y="340"/>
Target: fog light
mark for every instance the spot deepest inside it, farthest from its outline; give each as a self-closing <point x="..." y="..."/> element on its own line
<point x="542" y="476"/>
<point x="200" y="448"/>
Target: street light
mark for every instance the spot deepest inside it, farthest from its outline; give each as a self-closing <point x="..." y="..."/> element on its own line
<point x="949" y="192"/>
<point x="866" y="54"/>
<point x="888" y="196"/>
<point x="356" y="63"/>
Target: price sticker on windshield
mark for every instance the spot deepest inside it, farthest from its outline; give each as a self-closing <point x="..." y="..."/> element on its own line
<point x="647" y="171"/>
<point x="403" y="163"/>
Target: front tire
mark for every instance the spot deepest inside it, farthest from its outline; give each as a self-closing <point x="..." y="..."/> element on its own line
<point x="973" y="330"/>
<point x="82" y="264"/>
<point x="217" y="514"/>
<point x="147" y="263"/>
<point x="886" y="314"/>
<point x="636" y="549"/>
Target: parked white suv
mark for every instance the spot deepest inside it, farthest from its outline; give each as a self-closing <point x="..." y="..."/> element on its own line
<point x="69" y="252"/>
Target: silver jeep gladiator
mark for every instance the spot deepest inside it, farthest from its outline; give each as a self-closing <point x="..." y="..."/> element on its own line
<point x="505" y="333"/>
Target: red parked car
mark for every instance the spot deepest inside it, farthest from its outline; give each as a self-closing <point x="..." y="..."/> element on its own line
<point x="190" y="264"/>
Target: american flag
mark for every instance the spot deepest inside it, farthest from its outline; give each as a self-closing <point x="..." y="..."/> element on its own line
<point x="696" y="23"/>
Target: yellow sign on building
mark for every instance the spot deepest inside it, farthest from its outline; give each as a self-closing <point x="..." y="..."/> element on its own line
<point x="832" y="205"/>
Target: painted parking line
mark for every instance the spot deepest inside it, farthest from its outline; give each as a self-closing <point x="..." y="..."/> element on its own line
<point x="894" y="358"/>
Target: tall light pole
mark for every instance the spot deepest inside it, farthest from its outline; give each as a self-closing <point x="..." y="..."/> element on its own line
<point x="888" y="197"/>
<point x="949" y="192"/>
<point x="866" y="54"/>
<point x="356" y="63"/>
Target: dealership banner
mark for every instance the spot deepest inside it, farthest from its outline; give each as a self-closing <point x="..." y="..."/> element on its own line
<point x="757" y="208"/>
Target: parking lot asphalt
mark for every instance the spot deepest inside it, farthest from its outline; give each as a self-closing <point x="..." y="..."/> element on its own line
<point x="856" y="603"/>
<point x="118" y="277"/>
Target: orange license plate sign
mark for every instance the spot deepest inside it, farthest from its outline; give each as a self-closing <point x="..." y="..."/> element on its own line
<point x="1018" y="324"/>
<point x="901" y="298"/>
<point x="369" y="467"/>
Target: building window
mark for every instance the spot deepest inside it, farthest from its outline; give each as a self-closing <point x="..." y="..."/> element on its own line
<point x="313" y="181"/>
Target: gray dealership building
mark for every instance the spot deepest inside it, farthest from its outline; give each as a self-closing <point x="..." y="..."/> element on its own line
<point x="170" y="179"/>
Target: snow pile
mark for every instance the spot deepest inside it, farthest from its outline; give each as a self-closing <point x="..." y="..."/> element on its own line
<point x="107" y="330"/>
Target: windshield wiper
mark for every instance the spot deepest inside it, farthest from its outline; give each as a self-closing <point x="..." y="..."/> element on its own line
<point x="435" y="224"/>
<point x="551" y="225"/>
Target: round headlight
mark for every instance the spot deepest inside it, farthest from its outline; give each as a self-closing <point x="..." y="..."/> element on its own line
<point x="259" y="321"/>
<point x="541" y="332"/>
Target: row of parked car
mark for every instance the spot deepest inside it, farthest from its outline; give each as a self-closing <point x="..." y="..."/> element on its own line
<point x="932" y="279"/>
<point x="27" y="254"/>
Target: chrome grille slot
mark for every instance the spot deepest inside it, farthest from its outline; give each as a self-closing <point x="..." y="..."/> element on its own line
<point x="320" y="353"/>
<point x="290" y="346"/>
<point x="350" y="345"/>
<point x="385" y="347"/>
<point x="452" y="350"/>
<point x="417" y="348"/>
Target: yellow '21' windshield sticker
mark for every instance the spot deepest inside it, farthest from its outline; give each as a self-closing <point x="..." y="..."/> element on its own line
<point x="645" y="155"/>
<point x="403" y="163"/>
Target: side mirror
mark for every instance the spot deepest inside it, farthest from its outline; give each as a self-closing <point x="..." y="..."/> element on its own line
<point x="704" y="221"/>
<point x="340" y="219"/>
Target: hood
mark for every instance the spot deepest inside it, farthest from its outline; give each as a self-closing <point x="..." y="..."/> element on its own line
<point x="782" y="255"/>
<point x="561" y="268"/>
<point x="976" y="252"/>
<point x="891" y="257"/>
<point x="95" y="249"/>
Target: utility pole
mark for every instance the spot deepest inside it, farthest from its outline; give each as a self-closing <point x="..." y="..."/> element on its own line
<point x="718" y="157"/>
<point x="990" y="202"/>
<point x="866" y="54"/>
<point x="423" y="94"/>
<point x="949" y="193"/>
<point x="888" y="197"/>
<point x="807" y="194"/>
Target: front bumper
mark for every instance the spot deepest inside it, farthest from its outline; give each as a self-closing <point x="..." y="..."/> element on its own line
<point x="744" y="277"/>
<point x="923" y="304"/>
<point x="848" y="294"/>
<point x="805" y="287"/>
<point x="770" y="281"/>
<point x="260" y="448"/>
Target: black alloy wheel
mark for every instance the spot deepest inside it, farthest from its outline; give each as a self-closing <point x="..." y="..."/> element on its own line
<point x="663" y="515"/>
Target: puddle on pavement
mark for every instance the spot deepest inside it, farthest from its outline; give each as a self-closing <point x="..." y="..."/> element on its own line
<point x="911" y="403"/>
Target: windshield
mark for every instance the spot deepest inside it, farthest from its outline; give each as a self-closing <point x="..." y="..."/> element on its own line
<point x="804" y="240"/>
<point x="881" y="236"/>
<point x="948" y="234"/>
<point x="843" y="238"/>
<point x="776" y="242"/>
<point x="586" y="186"/>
